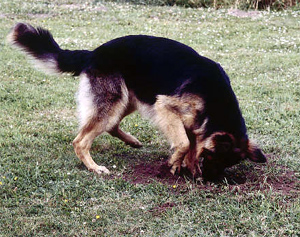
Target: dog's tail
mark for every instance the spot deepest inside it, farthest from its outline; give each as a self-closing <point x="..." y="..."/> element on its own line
<point x="40" y="45"/>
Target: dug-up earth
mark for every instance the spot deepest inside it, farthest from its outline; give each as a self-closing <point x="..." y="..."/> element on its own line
<point x="241" y="178"/>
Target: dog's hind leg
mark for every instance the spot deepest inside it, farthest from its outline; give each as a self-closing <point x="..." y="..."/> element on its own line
<point x="116" y="131"/>
<point x="125" y="137"/>
<point x="83" y="142"/>
<point x="94" y="127"/>
<point x="102" y="103"/>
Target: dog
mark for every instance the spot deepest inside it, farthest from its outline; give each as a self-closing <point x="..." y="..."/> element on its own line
<point x="187" y="96"/>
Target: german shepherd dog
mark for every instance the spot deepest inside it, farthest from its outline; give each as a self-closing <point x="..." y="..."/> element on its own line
<point x="187" y="96"/>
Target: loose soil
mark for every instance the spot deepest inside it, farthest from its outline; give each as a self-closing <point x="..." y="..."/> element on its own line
<point x="241" y="178"/>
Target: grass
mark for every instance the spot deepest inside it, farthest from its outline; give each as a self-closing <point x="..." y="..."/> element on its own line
<point x="45" y="190"/>
<point x="240" y="4"/>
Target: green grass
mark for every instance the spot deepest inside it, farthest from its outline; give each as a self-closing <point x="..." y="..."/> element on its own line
<point x="46" y="191"/>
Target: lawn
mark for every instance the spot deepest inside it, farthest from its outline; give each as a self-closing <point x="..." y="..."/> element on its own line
<point x="46" y="191"/>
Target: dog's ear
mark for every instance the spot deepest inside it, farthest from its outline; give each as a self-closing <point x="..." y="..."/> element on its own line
<point x="255" y="154"/>
<point x="223" y="142"/>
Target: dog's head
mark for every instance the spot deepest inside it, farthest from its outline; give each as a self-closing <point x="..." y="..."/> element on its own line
<point x="222" y="150"/>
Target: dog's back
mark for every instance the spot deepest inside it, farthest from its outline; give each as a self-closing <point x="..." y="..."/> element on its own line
<point x="153" y="66"/>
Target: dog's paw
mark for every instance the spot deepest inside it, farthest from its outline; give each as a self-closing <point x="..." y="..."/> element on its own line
<point x="175" y="168"/>
<point x="99" y="170"/>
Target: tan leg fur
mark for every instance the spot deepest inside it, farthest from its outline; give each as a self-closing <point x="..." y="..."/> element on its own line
<point x="125" y="137"/>
<point x="94" y="122"/>
<point x="83" y="143"/>
<point x="176" y="115"/>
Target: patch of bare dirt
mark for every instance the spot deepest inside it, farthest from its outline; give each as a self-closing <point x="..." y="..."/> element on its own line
<point x="241" y="178"/>
<point x="145" y="173"/>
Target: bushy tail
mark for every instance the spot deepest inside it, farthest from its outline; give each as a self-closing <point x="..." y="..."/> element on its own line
<point x="40" y="45"/>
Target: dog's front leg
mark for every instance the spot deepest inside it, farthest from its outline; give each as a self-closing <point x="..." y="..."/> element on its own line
<point x="172" y="126"/>
<point x="175" y="161"/>
<point x="191" y="161"/>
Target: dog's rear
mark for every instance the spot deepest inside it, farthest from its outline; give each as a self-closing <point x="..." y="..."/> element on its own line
<point x="102" y="103"/>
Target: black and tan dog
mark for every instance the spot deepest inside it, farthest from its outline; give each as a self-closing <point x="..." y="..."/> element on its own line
<point x="187" y="96"/>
